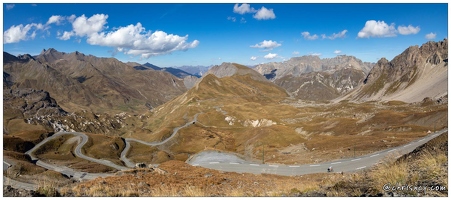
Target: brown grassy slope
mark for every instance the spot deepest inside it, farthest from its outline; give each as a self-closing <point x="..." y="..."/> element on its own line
<point x="299" y="133"/>
<point x="240" y="96"/>
<point x="427" y="165"/>
<point x="104" y="147"/>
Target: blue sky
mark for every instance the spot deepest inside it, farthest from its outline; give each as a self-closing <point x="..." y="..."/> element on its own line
<point x="207" y="34"/>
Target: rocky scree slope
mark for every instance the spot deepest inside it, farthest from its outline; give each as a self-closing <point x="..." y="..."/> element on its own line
<point x="415" y="74"/>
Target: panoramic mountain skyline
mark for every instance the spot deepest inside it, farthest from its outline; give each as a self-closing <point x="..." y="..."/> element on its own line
<point x="209" y="34"/>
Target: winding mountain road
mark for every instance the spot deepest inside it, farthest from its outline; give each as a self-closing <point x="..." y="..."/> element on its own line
<point x="343" y="165"/>
<point x="77" y="151"/>
<point x="128" y="163"/>
<point x="241" y="166"/>
<point x="83" y="139"/>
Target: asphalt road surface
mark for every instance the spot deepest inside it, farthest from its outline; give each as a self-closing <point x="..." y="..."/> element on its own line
<point x="343" y="165"/>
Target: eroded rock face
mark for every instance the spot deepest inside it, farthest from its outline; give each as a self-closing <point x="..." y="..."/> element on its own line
<point x="31" y="102"/>
<point x="39" y="108"/>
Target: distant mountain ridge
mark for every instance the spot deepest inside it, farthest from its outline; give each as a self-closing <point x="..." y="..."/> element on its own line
<point x="174" y="71"/>
<point x="195" y="70"/>
<point x="312" y="78"/>
<point x="78" y="81"/>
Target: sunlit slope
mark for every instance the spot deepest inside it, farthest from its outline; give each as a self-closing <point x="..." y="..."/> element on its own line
<point x="236" y="113"/>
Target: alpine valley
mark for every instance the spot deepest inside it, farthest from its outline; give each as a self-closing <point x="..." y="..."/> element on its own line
<point x="82" y="122"/>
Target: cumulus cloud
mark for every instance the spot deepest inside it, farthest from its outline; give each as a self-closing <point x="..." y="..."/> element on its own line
<point x="242" y="20"/>
<point x="337" y="51"/>
<point x="134" y="40"/>
<point x="84" y="26"/>
<point x="10" y="6"/>
<point x="71" y="18"/>
<point x="66" y="35"/>
<point x="264" y="14"/>
<point x="295" y="52"/>
<point x="233" y="19"/>
<point x="20" y="32"/>
<point x="57" y="19"/>
<point x="308" y="36"/>
<point x="253" y="58"/>
<point x="270" y="56"/>
<point x="341" y="34"/>
<point x="267" y="44"/>
<point x="315" y="54"/>
<point x="430" y="36"/>
<point x="377" y="29"/>
<point x="243" y="9"/>
<point x="407" y="30"/>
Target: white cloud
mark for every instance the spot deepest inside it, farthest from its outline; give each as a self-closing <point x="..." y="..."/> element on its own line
<point x="295" y="52"/>
<point x="267" y="44"/>
<point x="71" y="18"/>
<point x="270" y="56"/>
<point x="430" y="36"/>
<point x="341" y="34"/>
<point x="242" y="20"/>
<point x="377" y="29"/>
<point x="10" y="6"/>
<point x="407" y="30"/>
<point x="308" y="36"/>
<point x="264" y="14"/>
<point x="315" y="54"/>
<point x="82" y="26"/>
<point x="87" y="26"/>
<point x="66" y="35"/>
<point x="337" y="51"/>
<point x="136" y="41"/>
<point x="243" y="9"/>
<point x="57" y="19"/>
<point x="253" y="58"/>
<point x="233" y="19"/>
<point x="20" y="32"/>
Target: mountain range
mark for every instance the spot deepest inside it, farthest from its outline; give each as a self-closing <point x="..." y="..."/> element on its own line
<point x="312" y="78"/>
<point x="79" y="81"/>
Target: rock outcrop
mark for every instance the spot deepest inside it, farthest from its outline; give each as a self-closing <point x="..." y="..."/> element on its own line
<point x="416" y="73"/>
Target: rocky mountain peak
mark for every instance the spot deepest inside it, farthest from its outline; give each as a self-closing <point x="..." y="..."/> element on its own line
<point x="25" y="57"/>
<point x="414" y="67"/>
<point x="231" y="69"/>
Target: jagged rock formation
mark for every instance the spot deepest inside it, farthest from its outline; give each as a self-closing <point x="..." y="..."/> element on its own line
<point x="312" y="78"/>
<point x="79" y="81"/>
<point x="416" y="73"/>
<point x="30" y="102"/>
